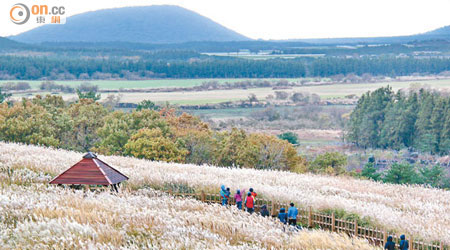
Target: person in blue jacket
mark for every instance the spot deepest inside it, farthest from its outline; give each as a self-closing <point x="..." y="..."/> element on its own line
<point x="223" y="194"/>
<point x="404" y="244"/>
<point x="282" y="215"/>
<point x="292" y="215"/>
<point x="390" y="245"/>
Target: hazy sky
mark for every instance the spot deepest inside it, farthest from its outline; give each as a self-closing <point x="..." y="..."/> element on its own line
<point x="282" y="19"/>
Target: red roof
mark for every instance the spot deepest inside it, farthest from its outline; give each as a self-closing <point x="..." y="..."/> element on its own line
<point x="90" y="171"/>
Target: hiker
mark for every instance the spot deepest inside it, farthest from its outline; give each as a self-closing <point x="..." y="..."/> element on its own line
<point x="223" y="194"/>
<point x="390" y="245"/>
<point x="228" y="195"/>
<point x="264" y="211"/>
<point x="250" y="203"/>
<point x="238" y="198"/>
<point x="404" y="244"/>
<point x="282" y="215"/>
<point x="292" y="215"/>
<point x="253" y="193"/>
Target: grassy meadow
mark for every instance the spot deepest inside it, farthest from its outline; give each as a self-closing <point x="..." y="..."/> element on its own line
<point x="36" y="215"/>
<point x="397" y="208"/>
<point x="327" y="91"/>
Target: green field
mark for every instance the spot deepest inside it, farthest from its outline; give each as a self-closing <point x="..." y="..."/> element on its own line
<point x="328" y="91"/>
<point x="143" y="84"/>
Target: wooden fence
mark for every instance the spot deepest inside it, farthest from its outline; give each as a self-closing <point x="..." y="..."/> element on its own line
<point x="313" y="219"/>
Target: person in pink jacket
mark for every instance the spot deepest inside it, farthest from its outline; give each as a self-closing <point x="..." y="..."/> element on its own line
<point x="238" y="198"/>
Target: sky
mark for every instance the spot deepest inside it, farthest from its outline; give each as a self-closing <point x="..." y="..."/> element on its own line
<point x="281" y="19"/>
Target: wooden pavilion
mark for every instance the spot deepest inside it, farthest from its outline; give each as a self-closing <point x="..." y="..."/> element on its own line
<point x="90" y="171"/>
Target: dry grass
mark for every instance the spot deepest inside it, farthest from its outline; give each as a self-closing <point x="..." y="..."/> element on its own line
<point x="39" y="216"/>
<point x="409" y="209"/>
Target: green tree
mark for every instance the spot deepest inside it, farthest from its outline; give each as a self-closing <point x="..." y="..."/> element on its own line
<point x="114" y="134"/>
<point x="329" y="163"/>
<point x="147" y="104"/>
<point x="433" y="176"/>
<point x="366" y="120"/>
<point x="152" y="144"/>
<point x="402" y="173"/>
<point x="290" y="137"/>
<point x="27" y="123"/>
<point x="425" y="140"/>
<point x="88" y="95"/>
<point x="444" y="142"/>
<point x="118" y="127"/>
<point x="87" y="117"/>
<point x="370" y="172"/>
<point x="231" y="148"/>
<point x="398" y="127"/>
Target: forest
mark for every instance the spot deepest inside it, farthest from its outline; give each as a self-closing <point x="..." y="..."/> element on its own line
<point x="193" y="65"/>
<point x="415" y="119"/>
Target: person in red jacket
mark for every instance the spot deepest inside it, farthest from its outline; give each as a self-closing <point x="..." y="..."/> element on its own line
<point x="250" y="203"/>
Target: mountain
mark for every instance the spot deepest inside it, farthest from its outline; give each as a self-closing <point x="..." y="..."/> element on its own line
<point x="145" y="24"/>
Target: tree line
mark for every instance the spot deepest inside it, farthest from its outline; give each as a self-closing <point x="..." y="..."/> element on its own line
<point x="405" y="173"/>
<point x="149" y="132"/>
<point x="70" y="68"/>
<point x="415" y="119"/>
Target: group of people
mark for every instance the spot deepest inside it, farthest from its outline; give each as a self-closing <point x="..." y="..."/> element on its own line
<point x="238" y="197"/>
<point x="390" y="244"/>
<point x="286" y="218"/>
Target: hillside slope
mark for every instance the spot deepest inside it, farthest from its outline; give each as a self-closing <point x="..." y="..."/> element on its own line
<point x="146" y="24"/>
<point x="398" y="207"/>
<point x="35" y="215"/>
<point x="8" y="44"/>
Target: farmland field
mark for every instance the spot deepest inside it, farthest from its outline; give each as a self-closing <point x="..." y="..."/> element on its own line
<point x="328" y="91"/>
<point x="418" y="211"/>
<point x="324" y="91"/>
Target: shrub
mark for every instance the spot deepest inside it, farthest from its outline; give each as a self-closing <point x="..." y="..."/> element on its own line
<point x="329" y="163"/>
<point x="16" y="86"/>
<point x="290" y="137"/>
<point x="147" y="104"/>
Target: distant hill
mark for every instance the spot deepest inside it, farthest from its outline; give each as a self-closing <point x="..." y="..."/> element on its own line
<point x="444" y="31"/>
<point x="437" y="34"/>
<point x="8" y="44"/>
<point x="146" y="24"/>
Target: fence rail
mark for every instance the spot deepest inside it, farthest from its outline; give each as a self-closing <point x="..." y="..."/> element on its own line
<point x="311" y="218"/>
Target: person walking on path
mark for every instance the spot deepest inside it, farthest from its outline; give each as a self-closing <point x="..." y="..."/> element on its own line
<point x="282" y="215"/>
<point x="228" y="194"/>
<point x="223" y="194"/>
<point x="404" y="244"/>
<point x="238" y="198"/>
<point x="292" y="215"/>
<point x="253" y="193"/>
<point x="250" y="203"/>
<point x="390" y="245"/>
<point x="264" y="211"/>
